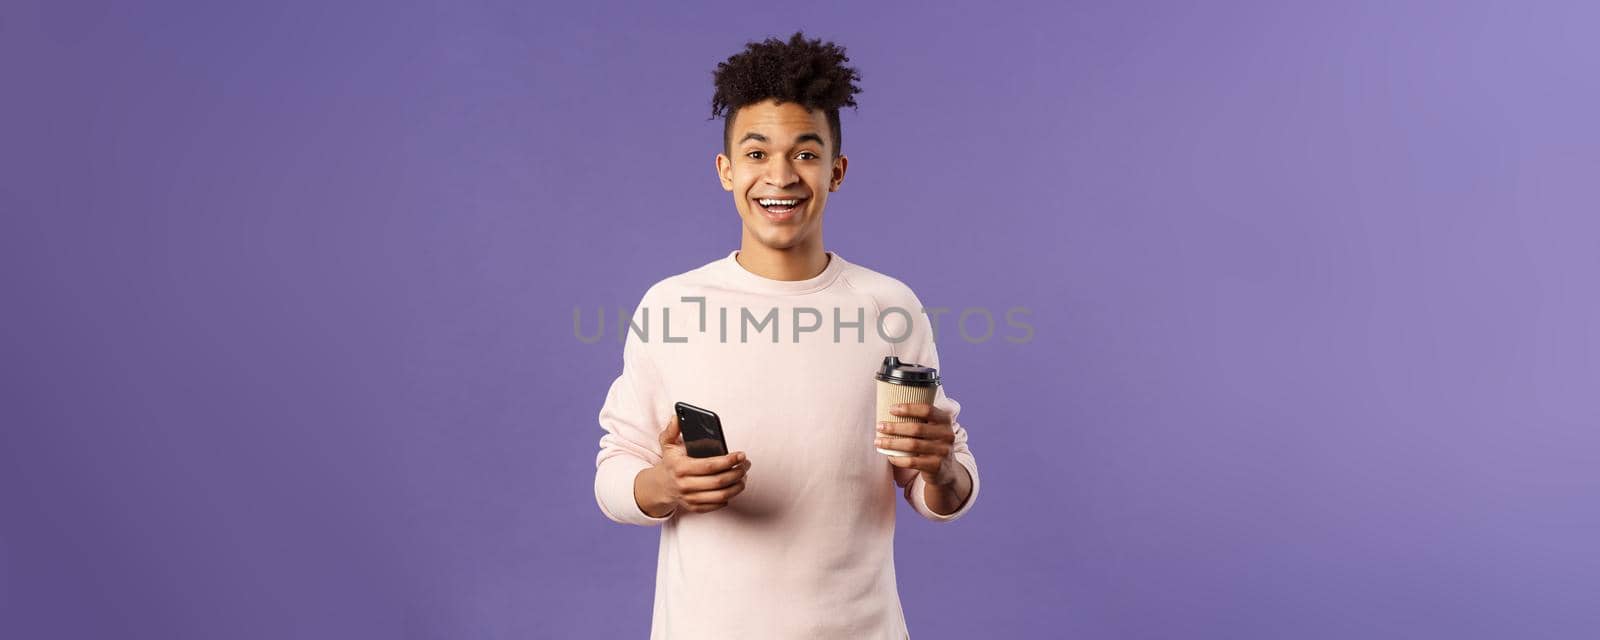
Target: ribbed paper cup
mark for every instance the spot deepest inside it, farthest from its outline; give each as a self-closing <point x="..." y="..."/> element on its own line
<point x="889" y="395"/>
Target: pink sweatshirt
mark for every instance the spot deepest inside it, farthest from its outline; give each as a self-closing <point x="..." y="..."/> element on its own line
<point x="807" y="550"/>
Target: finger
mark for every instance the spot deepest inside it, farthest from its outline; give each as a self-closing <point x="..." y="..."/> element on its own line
<point x="920" y="463"/>
<point x="671" y="434"/>
<point x="710" y="466"/>
<point x="921" y="410"/>
<point x="714" y="497"/>
<point x="714" y="482"/>
<point x="927" y="430"/>
<point x="704" y="508"/>
<point x="913" y="445"/>
<point x="904" y="462"/>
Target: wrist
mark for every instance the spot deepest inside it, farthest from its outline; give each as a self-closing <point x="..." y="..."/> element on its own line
<point x="946" y="477"/>
<point x="650" y="493"/>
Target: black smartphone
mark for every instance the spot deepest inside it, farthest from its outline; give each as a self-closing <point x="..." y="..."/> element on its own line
<point x="702" y="431"/>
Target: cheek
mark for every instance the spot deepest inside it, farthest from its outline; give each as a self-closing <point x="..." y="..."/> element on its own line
<point x="742" y="183"/>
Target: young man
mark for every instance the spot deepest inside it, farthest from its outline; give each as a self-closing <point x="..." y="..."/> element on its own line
<point x="791" y="534"/>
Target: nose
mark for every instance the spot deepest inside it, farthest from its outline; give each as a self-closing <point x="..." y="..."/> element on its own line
<point x="781" y="174"/>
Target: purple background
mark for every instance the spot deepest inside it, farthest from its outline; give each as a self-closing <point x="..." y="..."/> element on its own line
<point x="288" y="296"/>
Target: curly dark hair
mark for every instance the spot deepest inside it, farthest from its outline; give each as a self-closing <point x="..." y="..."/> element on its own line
<point x="811" y="73"/>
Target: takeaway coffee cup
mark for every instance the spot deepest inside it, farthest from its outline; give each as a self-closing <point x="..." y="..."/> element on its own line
<point x="903" y="382"/>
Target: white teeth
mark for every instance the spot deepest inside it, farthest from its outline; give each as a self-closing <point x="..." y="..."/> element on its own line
<point x="777" y="203"/>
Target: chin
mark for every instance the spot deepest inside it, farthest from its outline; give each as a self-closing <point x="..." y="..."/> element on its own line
<point x="779" y="241"/>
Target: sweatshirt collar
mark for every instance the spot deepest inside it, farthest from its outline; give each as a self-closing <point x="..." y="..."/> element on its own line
<point x="746" y="281"/>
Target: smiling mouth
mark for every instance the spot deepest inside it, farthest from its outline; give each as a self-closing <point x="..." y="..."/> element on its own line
<point x="779" y="209"/>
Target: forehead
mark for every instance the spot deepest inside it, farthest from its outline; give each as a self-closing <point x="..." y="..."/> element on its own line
<point x="780" y="123"/>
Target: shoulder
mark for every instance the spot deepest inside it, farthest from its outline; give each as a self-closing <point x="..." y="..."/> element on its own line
<point x="886" y="290"/>
<point x="670" y="289"/>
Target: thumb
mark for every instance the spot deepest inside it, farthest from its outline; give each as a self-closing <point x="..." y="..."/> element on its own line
<point x="671" y="435"/>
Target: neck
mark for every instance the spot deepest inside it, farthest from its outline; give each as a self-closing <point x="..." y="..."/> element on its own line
<point x="801" y="262"/>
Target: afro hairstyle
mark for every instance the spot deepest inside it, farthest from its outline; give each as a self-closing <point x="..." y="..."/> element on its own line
<point x="811" y="73"/>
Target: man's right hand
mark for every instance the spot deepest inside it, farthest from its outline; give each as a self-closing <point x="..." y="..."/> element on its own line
<point x="696" y="485"/>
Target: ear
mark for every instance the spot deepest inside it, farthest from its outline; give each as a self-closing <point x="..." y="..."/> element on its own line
<point x="839" y="165"/>
<point x="725" y="172"/>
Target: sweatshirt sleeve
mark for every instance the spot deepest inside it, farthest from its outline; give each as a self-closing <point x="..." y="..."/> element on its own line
<point x="919" y="347"/>
<point x="633" y="421"/>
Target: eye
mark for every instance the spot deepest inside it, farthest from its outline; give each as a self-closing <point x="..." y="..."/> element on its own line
<point x="754" y="155"/>
<point x="803" y="155"/>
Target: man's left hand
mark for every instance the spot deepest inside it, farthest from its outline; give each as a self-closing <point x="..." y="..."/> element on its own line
<point x="929" y="442"/>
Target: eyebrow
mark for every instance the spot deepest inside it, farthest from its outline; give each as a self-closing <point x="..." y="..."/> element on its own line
<point x="813" y="137"/>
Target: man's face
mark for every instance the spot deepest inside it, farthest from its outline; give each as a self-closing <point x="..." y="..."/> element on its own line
<point x="781" y="172"/>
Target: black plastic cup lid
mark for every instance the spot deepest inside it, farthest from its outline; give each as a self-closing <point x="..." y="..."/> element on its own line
<point x="906" y="373"/>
